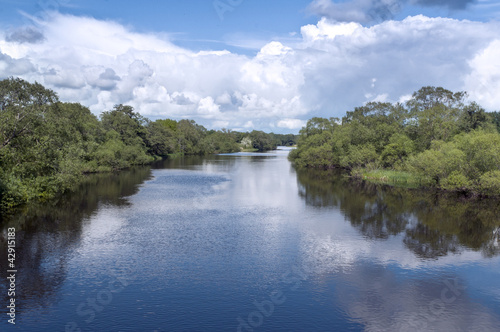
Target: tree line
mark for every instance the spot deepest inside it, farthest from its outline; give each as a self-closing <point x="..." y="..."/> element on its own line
<point x="437" y="138"/>
<point x="47" y="145"/>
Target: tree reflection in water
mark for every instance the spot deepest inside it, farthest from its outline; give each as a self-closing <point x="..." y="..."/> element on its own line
<point x="46" y="233"/>
<point x="433" y="223"/>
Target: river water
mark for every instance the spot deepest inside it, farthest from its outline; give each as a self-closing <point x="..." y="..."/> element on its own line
<point x="244" y="242"/>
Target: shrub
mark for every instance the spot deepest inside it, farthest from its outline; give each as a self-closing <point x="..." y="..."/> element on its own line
<point x="456" y="181"/>
<point x="490" y="182"/>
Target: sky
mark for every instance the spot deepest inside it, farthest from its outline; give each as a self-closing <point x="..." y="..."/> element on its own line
<point x="251" y="64"/>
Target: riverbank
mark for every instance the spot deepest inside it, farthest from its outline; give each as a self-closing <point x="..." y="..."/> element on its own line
<point x="396" y="178"/>
<point x="402" y="179"/>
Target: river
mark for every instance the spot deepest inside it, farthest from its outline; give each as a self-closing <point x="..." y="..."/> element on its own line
<point x="244" y="242"/>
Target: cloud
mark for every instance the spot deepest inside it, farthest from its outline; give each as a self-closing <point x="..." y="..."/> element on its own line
<point x="401" y="55"/>
<point x="207" y="108"/>
<point x="330" y="69"/>
<point x="25" y="35"/>
<point x="181" y="99"/>
<point x="291" y="123"/>
<point x="451" y="4"/>
<point x="362" y="11"/>
<point x="366" y="11"/>
<point x="403" y="304"/>
<point x="101" y="78"/>
<point x="483" y="82"/>
<point x="62" y="78"/>
<point x="13" y="67"/>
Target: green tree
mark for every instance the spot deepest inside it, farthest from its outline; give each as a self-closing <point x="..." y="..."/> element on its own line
<point x="482" y="152"/>
<point x="397" y="150"/>
<point x="439" y="162"/>
<point x="160" y="138"/>
<point x="495" y="119"/>
<point x="188" y="135"/>
<point x="262" y="141"/>
<point x="429" y="97"/>
<point x="436" y="134"/>
<point x="472" y="117"/>
<point x="433" y="115"/>
<point x="223" y="141"/>
<point x="127" y="123"/>
<point x="168" y="123"/>
<point x="22" y="108"/>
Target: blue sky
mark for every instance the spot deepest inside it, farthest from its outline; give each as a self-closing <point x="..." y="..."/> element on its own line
<point x="241" y="26"/>
<point x="195" y="24"/>
<point x="249" y="64"/>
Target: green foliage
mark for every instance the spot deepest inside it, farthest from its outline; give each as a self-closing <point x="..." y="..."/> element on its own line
<point x="285" y="139"/>
<point x="46" y="145"/>
<point x="221" y="142"/>
<point x="189" y="134"/>
<point x="472" y="117"/>
<point x="439" y="161"/>
<point x="399" y="148"/>
<point x="434" y="136"/>
<point x="361" y="155"/>
<point x="436" y="123"/>
<point x="160" y="138"/>
<point x="461" y="162"/>
<point x="262" y="141"/>
<point x="398" y="178"/>
<point x="490" y="182"/>
<point x="22" y="108"/>
<point x="456" y="181"/>
<point x="314" y="144"/>
<point x="433" y="114"/>
<point x="495" y="119"/>
<point x="429" y="97"/>
<point x="482" y="152"/>
<point x="127" y="123"/>
<point x="168" y="123"/>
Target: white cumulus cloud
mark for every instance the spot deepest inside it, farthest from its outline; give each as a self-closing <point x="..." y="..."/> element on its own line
<point x="483" y="83"/>
<point x="291" y="123"/>
<point x="330" y="70"/>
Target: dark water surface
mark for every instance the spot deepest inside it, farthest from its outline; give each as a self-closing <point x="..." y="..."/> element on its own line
<point x="244" y="242"/>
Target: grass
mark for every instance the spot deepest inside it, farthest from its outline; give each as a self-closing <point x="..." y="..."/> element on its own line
<point x="249" y="150"/>
<point x="397" y="178"/>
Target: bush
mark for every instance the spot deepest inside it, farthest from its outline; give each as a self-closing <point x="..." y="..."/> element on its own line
<point x="490" y="182"/>
<point x="456" y="181"/>
<point x="482" y="152"/>
<point x="438" y="162"/>
<point x="361" y="155"/>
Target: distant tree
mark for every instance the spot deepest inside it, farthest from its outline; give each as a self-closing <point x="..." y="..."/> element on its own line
<point x="317" y="125"/>
<point x="429" y="97"/>
<point x="127" y="123"/>
<point x="495" y="118"/>
<point x="239" y="136"/>
<point x="285" y="139"/>
<point x="169" y="123"/>
<point x="221" y="141"/>
<point x="188" y="135"/>
<point x="472" y="117"/>
<point x="262" y="141"/>
<point x="160" y="139"/>
<point x="246" y="142"/>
